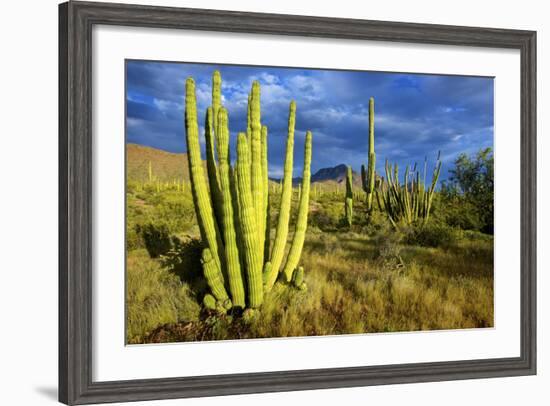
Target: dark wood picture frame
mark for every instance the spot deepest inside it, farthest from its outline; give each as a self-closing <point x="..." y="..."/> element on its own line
<point x="76" y="20"/>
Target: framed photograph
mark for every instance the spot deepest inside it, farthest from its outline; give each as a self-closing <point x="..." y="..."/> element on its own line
<point x="258" y="202"/>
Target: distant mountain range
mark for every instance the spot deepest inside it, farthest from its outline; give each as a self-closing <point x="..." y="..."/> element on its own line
<point x="168" y="166"/>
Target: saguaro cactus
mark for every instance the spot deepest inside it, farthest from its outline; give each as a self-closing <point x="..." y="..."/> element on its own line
<point x="349" y="197"/>
<point x="235" y="225"/>
<point x="301" y="221"/>
<point x="368" y="174"/>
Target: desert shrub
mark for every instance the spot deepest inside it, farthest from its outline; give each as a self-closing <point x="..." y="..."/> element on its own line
<point x="154" y="296"/>
<point x="388" y="250"/>
<point x="156" y="238"/>
<point x="430" y="235"/>
<point x="328" y="216"/>
<point x="457" y="212"/>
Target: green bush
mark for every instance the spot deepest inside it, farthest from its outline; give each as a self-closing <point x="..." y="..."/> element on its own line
<point x="430" y="235"/>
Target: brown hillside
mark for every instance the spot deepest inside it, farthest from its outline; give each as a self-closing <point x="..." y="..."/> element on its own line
<point x="166" y="166"/>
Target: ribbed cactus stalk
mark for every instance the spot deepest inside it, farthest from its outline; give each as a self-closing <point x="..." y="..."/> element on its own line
<point x="248" y="225"/>
<point x="266" y="208"/>
<point x="201" y="197"/>
<point x="349" y="197"/>
<point x="211" y="167"/>
<point x="236" y="286"/>
<point x="216" y="98"/>
<point x="150" y="172"/>
<point x="256" y="169"/>
<point x="368" y="174"/>
<point x="301" y="222"/>
<point x="281" y="233"/>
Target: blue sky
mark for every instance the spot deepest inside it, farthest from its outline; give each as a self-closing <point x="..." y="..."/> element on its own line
<point x="415" y="115"/>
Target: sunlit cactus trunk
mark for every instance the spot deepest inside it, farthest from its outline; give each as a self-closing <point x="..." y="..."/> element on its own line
<point x="256" y="170"/>
<point x="281" y="233"/>
<point x="301" y="222"/>
<point x="368" y="174"/>
<point x="236" y="286"/>
<point x="201" y="196"/>
<point x="248" y="225"/>
<point x="349" y="197"/>
<point x="266" y="207"/>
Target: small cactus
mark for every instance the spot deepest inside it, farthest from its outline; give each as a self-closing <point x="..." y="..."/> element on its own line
<point x="349" y="197"/>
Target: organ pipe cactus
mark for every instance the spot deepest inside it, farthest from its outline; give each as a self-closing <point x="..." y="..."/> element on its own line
<point x="408" y="202"/>
<point x="368" y="174"/>
<point x="232" y="203"/>
<point x="349" y="197"/>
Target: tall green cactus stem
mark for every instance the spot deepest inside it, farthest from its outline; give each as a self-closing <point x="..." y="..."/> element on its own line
<point x="256" y="170"/>
<point x="349" y="197"/>
<point x="301" y="221"/>
<point x="236" y="286"/>
<point x="201" y="197"/>
<point x="281" y="233"/>
<point x="368" y="175"/>
<point x="150" y="172"/>
<point x="211" y="167"/>
<point x="247" y="223"/>
<point x="216" y="98"/>
<point x="266" y="209"/>
<point x="213" y="276"/>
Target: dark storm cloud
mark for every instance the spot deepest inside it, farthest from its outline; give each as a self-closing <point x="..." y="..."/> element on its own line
<point x="416" y="115"/>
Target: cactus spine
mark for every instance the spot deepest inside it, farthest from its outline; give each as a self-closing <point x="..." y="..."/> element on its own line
<point x="201" y="197"/>
<point x="368" y="174"/>
<point x="233" y="213"/>
<point x="301" y="222"/>
<point x="236" y="286"/>
<point x="248" y="226"/>
<point x="349" y="197"/>
<point x="281" y="232"/>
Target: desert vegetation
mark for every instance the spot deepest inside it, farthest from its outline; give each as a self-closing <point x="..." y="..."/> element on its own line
<point x="218" y="250"/>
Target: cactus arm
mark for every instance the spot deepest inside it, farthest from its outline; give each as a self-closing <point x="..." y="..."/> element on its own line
<point x="256" y="171"/>
<point x="216" y="98"/>
<point x="266" y="226"/>
<point x="247" y="223"/>
<point x="211" y="167"/>
<point x="236" y="286"/>
<point x="301" y="221"/>
<point x="281" y="232"/>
